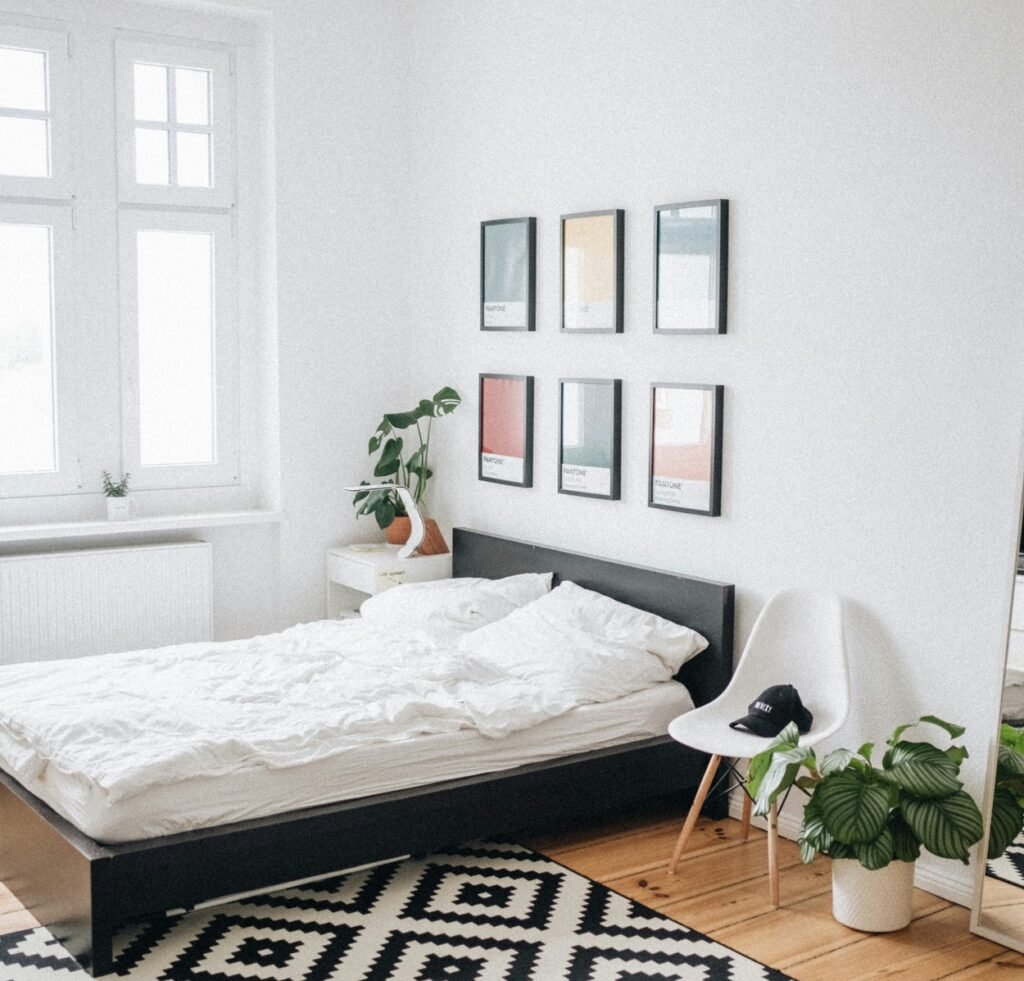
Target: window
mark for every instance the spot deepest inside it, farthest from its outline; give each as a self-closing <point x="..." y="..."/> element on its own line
<point x="119" y="260"/>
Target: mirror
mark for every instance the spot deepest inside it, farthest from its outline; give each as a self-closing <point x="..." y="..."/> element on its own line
<point x="999" y="897"/>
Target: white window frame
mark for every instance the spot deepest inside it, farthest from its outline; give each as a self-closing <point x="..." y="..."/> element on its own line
<point x="58" y="83"/>
<point x="226" y="468"/>
<point x="66" y="478"/>
<point x="219" y="63"/>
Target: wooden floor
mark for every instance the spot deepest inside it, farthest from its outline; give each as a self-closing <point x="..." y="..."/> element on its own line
<point x="722" y="890"/>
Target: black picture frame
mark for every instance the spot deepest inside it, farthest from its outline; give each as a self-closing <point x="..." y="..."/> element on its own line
<point x="511" y="271"/>
<point x="583" y="478"/>
<point x="489" y="470"/>
<point x="680" y="498"/>
<point x="611" y="282"/>
<point x="705" y="237"/>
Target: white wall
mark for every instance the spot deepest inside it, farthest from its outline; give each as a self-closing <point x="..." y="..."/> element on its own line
<point x="872" y="154"/>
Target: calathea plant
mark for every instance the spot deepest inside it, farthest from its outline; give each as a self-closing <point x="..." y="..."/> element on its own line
<point x="874" y="814"/>
<point x="395" y="464"/>
<point x="1008" y="798"/>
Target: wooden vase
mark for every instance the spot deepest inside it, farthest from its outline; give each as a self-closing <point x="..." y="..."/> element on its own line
<point x="398" y="531"/>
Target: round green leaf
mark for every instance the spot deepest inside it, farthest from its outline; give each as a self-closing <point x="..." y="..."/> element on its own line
<point x="922" y="769"/>
<point x="946" y="826"/>
<point x="877" y="853"/>
<point x="854" y="809"/>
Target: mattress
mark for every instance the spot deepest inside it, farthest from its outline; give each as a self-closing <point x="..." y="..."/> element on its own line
<point x="360" y="771"/>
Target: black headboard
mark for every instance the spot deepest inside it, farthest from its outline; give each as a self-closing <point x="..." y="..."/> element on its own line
<point x="700" y="604"/>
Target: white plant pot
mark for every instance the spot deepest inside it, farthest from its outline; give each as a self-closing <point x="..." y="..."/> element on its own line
<point x="121" y="508"/>
<point x="877" y="901"/>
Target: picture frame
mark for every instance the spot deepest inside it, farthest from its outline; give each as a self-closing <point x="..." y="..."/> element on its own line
<point x="685" y="469"/>
<point x="691" y="259"/>
<point x="508" y="274"/>
<point x="592" y="264"/>
<point x="590" y="437"/>
<point x="505" y="443"/>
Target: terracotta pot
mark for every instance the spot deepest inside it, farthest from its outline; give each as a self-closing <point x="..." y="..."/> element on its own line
<point x="398" y="531"/>
<point x="876" y="902"/>
<point x="433" y="541"/>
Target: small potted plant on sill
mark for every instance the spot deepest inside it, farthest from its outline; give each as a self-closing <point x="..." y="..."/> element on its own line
<point x="872" y="821"/>
<point x="397" y="465"/>
<point x="120" y="505"/>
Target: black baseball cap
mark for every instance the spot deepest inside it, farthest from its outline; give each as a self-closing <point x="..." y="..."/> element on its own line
<point x="773" y="710"/>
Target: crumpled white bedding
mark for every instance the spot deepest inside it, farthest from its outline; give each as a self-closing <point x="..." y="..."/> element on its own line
<point x="127" y="722"/>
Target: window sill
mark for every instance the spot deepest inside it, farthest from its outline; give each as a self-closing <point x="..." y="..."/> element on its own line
<point x="134" y="526"/>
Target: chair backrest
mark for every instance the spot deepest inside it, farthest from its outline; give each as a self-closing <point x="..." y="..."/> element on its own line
<point x="798" y="639"/>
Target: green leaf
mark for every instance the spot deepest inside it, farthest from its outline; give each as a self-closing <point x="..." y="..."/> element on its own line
<point x="385" y="469"/>
<point x="866" y="750"/>
<point x="957" y="754"/>
<point x="760" y="764"/>
<point x="854" y="808"/>
<point x="922" y="769"/>
<point x="781" y="775"/>
<point x="403" y="420"/>
<point x="1007" y="819"/>
<point x="813" y="837"/>
<point x="954" y="731"/>
<point x="906" y="847"/>
<point x="946" y="826"/>
<point x="877" y="853"/>
<point x="385" y="513"/>
<point x="426" y="407"/>
<point x="838" y="759"/>
<point x="446" y="401"/>
<point x="1010" y="761"/>
<point x="416" y="460"/>
<point x="839" y="850"/>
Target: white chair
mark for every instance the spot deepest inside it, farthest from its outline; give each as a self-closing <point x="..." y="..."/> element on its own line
<point x="798" y="639"/>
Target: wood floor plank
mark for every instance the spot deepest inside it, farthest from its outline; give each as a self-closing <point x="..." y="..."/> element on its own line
<point x="16" y="920"/>
<point x="928" y="944"/>
<point x="1006" y="965"/>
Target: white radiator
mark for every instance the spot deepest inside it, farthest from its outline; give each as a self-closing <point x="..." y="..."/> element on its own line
<point x="91" y="601"/>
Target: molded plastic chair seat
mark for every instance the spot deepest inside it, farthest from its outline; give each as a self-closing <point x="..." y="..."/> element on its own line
<point x="798" y="639"/>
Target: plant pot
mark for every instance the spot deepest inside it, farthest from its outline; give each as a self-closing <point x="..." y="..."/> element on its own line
<point x="878" y="901"/>
<point x="433" y="543"/>
<point x="397" y="533"/>
<point x="121" y="508"/>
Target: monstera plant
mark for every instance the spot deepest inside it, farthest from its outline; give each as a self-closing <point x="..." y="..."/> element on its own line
<point x="401" y="462"/>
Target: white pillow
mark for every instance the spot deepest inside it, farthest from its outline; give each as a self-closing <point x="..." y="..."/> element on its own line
<point x="611" y="622"/>
<point x="448" y="608"/>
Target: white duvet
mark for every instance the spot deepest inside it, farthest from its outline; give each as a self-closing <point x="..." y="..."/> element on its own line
<point x="127" y="722"/>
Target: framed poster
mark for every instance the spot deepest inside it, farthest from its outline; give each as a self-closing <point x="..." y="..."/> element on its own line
<point x="686" y="448"/>
<point x="508" y="274"/>
<point x="506" y="429"/>
<point x="590" y="437"/>
<point x="691" y="248"/>
<point x="592" y="264"/>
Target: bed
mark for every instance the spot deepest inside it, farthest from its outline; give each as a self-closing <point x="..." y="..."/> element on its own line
<point x="83" y="890"/>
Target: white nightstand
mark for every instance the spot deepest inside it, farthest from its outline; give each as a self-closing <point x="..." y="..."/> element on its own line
<point x="353" y="573"/>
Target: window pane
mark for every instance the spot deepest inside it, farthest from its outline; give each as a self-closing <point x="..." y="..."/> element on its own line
<point x="22" y="79"/>
<point x="192" y="96"/>
<point x="151" y="156"/>
<point x="27" y="416"/>
<point x="151" y="93"/>
<point x="176" y="369"/>
<point x="24" y="147"/>
<point x="193" y="160"/>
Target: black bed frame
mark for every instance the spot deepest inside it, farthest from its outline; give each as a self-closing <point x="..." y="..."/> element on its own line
<point x="83" y="891"/>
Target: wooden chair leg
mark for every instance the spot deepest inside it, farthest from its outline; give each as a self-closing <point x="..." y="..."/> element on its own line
<point x="691" y="818"/>
<point x="745" y="819"/>
<point x="773" y="855"/>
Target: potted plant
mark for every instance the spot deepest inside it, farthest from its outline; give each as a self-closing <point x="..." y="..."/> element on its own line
<point x="120" y="505"/>
<point x="406" y="466"/>
<point x="1008" y="797"/>
<point x="873" y="820"/>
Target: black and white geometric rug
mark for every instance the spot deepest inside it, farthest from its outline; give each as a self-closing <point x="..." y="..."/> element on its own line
<point x="1010" y="865"/>
<point x="483" y="912"/>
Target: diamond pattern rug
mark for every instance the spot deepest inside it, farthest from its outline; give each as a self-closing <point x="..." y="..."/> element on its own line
<point x="483" y="912"/>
